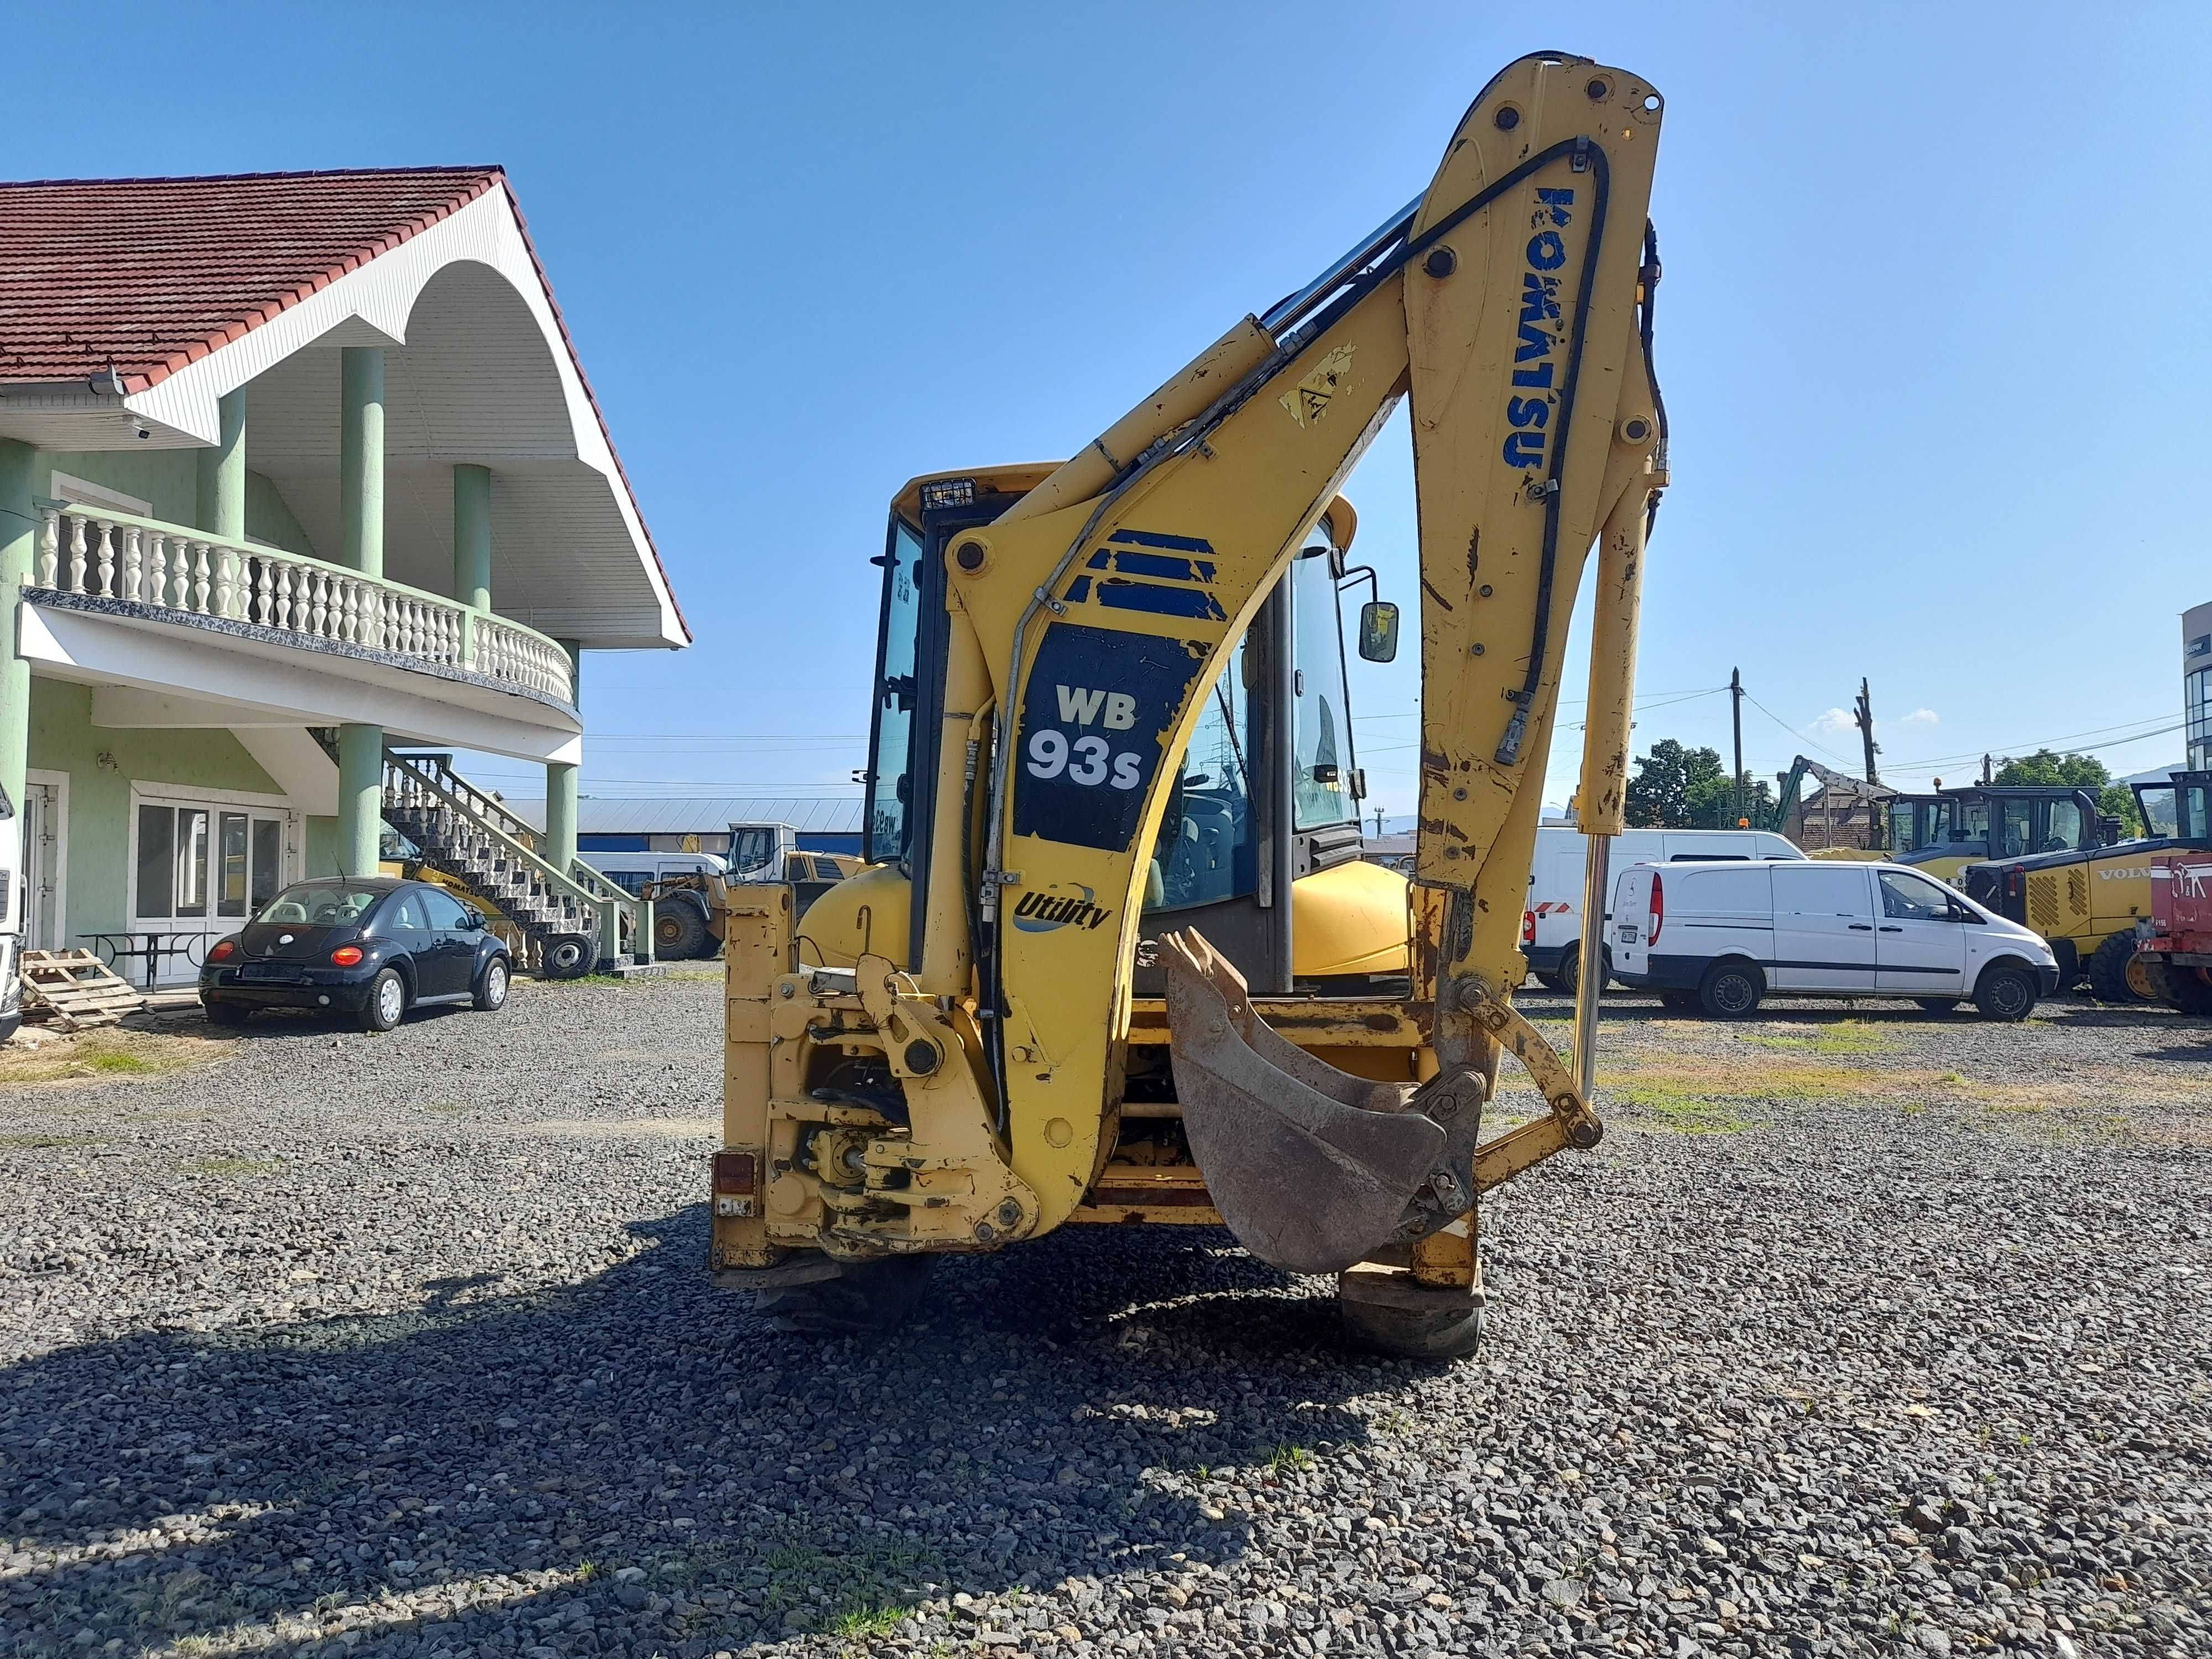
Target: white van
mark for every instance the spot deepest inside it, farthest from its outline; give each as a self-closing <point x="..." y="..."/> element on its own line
<point x="1551" y="920"/>
<point x="1720" y="936"/>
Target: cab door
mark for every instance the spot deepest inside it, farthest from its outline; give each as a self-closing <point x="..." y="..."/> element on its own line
<point x="1920" y="947"/>
<point x="1824" y="927"/>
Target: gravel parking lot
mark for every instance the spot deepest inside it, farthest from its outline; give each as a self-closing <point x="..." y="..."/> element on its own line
<point x="1862" y="1332"/>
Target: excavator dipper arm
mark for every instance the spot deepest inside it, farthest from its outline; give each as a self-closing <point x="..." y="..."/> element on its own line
<point x="1095" y="615"/>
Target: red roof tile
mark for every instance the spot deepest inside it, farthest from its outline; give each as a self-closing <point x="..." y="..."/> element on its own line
<point x="145" y="276"/>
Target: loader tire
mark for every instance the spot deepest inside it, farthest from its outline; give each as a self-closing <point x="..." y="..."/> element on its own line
<point x="2110" y="978"/>
<point x="2183" y="988"/>
<point x="1390" y="1314"/>
<point x="679" y="932"/>
<point x="568" y="956"/>
<point x="868" y="1299"/>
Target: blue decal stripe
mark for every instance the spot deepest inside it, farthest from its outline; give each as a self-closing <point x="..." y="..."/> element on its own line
<point x="1077" y="591"/>
<point x="1174" y="544"/>
<point x="1120" y="595"/>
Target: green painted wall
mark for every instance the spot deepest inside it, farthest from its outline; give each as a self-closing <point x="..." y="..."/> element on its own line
<point x="65" y="740"/>
<point x="319" y="848"/>
<point x="170" y="479"/>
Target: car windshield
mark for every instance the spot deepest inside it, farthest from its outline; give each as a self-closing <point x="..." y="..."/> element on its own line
<point x="319" y="904"/>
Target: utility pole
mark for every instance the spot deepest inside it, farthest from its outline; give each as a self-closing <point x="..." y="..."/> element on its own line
<point x="1986" y="764"/>
<point x="1864" y="715"/>
<point x="1378" y="822"/>
<point x="1736" y="710"/>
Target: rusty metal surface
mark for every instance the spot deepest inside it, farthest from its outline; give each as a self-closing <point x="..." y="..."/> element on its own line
<point x="1311" y="1169"/>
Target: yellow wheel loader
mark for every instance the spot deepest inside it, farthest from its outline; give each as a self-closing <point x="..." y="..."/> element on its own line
<point x="1113" y="960"/>
<point x="2086" y="900"/>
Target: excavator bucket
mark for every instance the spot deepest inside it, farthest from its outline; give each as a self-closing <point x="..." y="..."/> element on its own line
<point x="1314" y="1170"/>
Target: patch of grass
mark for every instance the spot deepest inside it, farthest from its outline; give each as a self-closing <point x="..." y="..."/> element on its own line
<point x="236" y="1168"/>
<point x="863" y="1622"/>
<point x="120" y="1062"/>
<point x="859" y="1592"/>
<point x="1758" y="1040"/>
<point x="587" y="982"/>
<point x="1681" y="1111"/>
<point x="1852" y="1036"/>
<point x="1288" y="1457"/>
<point x="106" y="1051"/>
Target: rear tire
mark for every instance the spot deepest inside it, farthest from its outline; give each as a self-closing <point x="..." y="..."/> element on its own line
<point x="2005" y="992"/>
<point x="2108" y="969"/>
<point x="1571" y="969"/>
<point x="568" y="956"/>
<point x="386" y="1003"/>
<point x="1555" y="984"/>
<point x="679" y="932"/>
<point x="868" y="1299"/>
<point x="2183" y="989"/>
<point x="490" y="990"/>
<point x="1389" y="1314"/>
<point x="1731" y="990"/>
<point x="226" y="1013"/>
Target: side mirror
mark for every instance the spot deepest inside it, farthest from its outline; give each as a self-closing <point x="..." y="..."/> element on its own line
<point x="1378" y="631"/>
<point x="472" y="918"/>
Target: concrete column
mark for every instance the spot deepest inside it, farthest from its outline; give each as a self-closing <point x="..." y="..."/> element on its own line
<point x="559" y="848"/>
<point x="18" y="542"/>
<point x="361" y="458"/>
<point x="361" y="798"/>
<point x="221" y="476"/>
<point x="472" y="536"/>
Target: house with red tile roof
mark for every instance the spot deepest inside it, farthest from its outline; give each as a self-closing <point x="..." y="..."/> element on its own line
<point x="301" y="476"/>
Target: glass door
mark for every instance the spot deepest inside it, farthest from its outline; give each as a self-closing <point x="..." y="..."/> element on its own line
<point x="200" y="870"/>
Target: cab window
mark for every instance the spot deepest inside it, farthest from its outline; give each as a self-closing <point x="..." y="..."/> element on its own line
<point x="1209" y="844"/>
<point x="1904" y="826"/>
<point x="890" y="785"/>
<point x="2065" y="832"/>
<point x="1912" y="898"/>
<point x="1322" y="788"/>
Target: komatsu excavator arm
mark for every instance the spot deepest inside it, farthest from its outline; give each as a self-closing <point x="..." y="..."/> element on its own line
<point x="1086" y="627"/>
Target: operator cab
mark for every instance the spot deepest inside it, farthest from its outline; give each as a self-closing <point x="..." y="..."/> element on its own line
<point x="2178" y="810"/>
<point x="1973" y="823"/>
<point x="1262" y="801"/>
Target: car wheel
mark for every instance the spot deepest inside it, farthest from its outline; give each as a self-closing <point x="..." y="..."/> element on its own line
<point x="1731" y="990"/>
<point x="568" y="956"/>
<point x="2005" y="992"/>
<point x="226" y="1013"/>
<point x="492" y="986"/>
<point x="387" y="1001"/>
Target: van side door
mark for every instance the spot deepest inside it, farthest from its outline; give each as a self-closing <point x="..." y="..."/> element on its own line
<point x="1824" y="927"/>
<point x="1921" y="945"/>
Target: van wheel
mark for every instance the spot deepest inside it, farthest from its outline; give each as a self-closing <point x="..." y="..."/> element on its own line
<point x="2109" y="979"/>
<point x="1571" y="969"/>
<point x="1731" y="990"/>
<point x="2005" y="992"/>
<point x="1555" y="984"/>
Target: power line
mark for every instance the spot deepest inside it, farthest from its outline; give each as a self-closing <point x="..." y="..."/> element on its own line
<point x="2045" y="742"/>
<point x="1841" y="760"/>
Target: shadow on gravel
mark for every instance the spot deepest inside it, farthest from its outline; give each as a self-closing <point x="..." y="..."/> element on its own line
<point x="637" y="1462"/>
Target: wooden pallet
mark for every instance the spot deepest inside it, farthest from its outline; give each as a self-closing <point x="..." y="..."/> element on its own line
<point x="75" y="989"/>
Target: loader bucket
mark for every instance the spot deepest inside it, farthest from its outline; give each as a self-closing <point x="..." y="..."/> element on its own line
<point x="1311" y="1168"/>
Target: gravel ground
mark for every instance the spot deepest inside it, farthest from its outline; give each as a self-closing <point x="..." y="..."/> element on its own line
<point x="1862" y="1332"/>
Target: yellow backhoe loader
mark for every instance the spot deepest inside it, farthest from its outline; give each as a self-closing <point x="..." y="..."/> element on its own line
<point x="1107" y="792"/>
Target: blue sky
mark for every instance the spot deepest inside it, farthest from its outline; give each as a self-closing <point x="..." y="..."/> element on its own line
<point x="1933" y="333"/>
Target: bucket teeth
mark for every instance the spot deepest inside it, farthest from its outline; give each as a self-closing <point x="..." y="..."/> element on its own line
<point x="1314" y="1170"/>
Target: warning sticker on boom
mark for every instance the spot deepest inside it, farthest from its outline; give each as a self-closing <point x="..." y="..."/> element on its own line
<point x="1098" y="704"/>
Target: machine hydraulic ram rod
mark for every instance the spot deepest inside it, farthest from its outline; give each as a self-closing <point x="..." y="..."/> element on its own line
<point x="1603" y="793"/>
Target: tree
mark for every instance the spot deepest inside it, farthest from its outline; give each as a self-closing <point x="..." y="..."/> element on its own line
<point x="1712" y="802"/>
<point x="2073" y="771"/>
<point x="1659" y="795"/>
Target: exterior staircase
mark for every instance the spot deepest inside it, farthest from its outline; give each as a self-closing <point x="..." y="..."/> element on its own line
<point x="565" y="923"/>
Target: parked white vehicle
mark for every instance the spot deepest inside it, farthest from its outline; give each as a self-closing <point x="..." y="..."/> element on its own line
<point x="1721" y="936"/>
<point x="631" y="871"/>
<point x="1551" y="921"/>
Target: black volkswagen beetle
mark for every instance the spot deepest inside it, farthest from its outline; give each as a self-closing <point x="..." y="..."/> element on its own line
<point x="372" y="948"/>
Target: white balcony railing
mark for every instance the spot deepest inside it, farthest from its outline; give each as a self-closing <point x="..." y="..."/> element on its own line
<point x="97" y="554"/>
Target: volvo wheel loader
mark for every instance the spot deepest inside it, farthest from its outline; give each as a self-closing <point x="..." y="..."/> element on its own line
<point x="1105" y="806"/>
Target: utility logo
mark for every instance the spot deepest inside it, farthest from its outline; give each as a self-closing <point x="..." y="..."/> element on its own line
<point x="1534" y="365"/>
<point x="1047" y="912"/>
